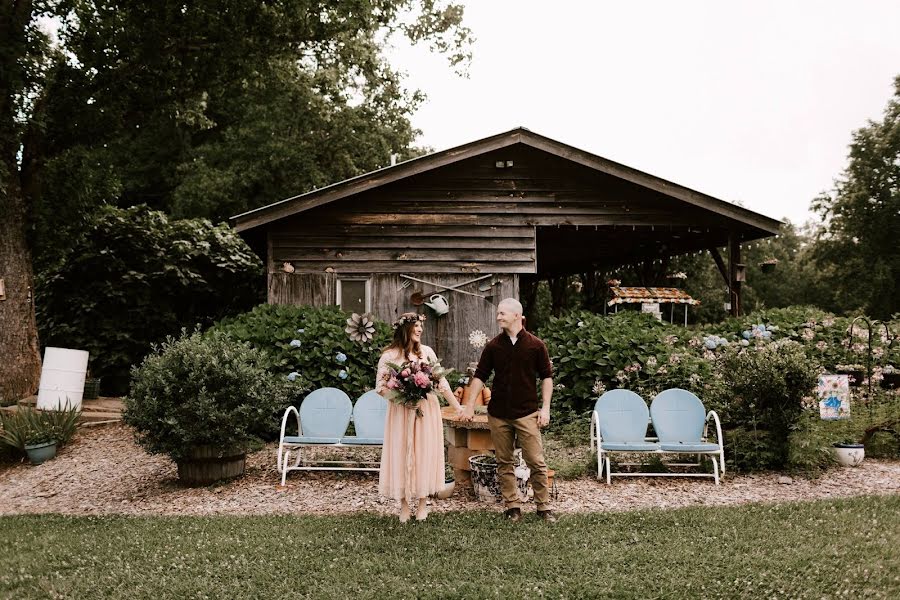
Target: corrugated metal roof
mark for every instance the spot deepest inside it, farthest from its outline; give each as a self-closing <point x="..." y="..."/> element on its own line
<point x="648" y="295"/>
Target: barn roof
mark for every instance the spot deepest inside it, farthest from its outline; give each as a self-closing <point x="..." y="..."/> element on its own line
<point x="375" y="179"/>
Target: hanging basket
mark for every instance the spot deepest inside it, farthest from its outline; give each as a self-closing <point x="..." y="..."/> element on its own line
<point x="891" y="380"/>
<point x="767" y="266"/>
<point x="856" y="376"/>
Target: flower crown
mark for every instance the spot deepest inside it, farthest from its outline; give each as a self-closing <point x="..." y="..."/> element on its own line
<point x="408" y="318"/>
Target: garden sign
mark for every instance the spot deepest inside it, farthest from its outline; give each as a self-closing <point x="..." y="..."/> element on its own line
<point x="833" y="392"/>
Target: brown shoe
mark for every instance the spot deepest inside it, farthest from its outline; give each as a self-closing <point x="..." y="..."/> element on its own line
<point x="547" y="515"/>
<point x="513" y="514"/>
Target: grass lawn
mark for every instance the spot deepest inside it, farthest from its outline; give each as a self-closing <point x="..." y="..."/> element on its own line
<point x="830" y="549"/>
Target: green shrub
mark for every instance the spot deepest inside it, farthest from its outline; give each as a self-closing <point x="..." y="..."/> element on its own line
<point x="135" y="277"/>
<point x="589" y="351"/>
<point x="311" y="344"/>
<point x="761" y="399"/>
<point x="204" y="390"/>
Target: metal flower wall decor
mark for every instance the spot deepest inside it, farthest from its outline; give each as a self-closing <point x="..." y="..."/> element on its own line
<point x="361" y="328"/>
<point x="477" y="339"/>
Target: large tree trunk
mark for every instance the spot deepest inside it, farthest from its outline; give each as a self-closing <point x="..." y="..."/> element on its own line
<point x="20" y="359"/>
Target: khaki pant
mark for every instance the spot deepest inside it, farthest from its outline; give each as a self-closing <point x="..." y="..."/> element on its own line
<point x="505" y="433"/>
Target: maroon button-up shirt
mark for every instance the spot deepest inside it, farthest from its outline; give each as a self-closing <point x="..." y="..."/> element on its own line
<point x="516" y="368"/>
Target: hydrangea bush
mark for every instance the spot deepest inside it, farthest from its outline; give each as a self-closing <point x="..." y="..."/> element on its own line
<point x="310" y="347"/>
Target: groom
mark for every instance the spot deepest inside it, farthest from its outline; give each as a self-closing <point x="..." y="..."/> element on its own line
<point x="517" y="360"/>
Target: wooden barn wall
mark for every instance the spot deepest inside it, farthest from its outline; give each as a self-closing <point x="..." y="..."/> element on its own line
<point x="448" y="335"/>
<point x="469" y="217"/>
<point x="313" y="289"/>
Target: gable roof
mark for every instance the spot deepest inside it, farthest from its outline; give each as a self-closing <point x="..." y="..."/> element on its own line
<point x="375" y="179"/>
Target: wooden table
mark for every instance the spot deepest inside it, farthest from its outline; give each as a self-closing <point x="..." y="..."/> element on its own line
<point x="465" y="439"/>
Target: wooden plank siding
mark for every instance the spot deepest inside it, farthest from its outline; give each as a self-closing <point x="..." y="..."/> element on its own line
<point x="470" y="217"/>
<point x="448" y="335"/>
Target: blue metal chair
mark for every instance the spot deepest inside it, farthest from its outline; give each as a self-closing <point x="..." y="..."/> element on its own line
<point x="369" y="416"/>
<point x="322" y="420"/>
<point x="682" y="423"/>
<point x="619" y="424"/>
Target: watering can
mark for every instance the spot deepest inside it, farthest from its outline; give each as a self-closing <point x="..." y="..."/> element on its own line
<point x="438" y="304"/>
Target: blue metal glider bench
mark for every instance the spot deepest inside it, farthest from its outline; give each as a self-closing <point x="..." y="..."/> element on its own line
<point x="322" y="421"/>
<point x="619" y="425"/>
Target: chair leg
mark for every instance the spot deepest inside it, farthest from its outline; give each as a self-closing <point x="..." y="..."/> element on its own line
<point x="715" y="468"/>
<point x="608" y="471"/>
<point x="283" y="467"/>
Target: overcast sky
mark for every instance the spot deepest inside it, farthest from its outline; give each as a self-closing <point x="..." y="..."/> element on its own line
<point x="751" y="102"/>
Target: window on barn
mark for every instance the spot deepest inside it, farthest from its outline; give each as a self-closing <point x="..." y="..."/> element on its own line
<point x="354" y="294"/>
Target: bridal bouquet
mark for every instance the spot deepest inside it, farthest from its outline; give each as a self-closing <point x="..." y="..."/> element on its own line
<point x="408" y="383"/>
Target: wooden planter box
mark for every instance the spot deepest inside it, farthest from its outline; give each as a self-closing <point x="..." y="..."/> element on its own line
<point x="204" y="465"/>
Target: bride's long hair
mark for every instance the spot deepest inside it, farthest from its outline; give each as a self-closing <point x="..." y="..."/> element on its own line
<point x="402" y="341"/>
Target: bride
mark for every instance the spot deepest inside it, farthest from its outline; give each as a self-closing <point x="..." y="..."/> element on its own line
<point x="412" y="459"/>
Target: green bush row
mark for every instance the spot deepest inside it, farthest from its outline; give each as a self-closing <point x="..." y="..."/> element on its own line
<point x="758" y="372"/>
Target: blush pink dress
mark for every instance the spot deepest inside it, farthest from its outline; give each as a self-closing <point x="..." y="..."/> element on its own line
<point x="412" y="459"/>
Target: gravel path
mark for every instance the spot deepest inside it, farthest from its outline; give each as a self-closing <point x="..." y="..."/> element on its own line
<point x="103" y="472"/>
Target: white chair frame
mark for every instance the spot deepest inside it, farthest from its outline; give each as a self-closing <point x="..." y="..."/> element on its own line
<point x="286" y="449"/>
<point x="603" y="456"/>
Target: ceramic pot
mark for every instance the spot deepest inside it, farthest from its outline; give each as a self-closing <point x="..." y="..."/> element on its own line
<point x="849" y="455"/>
<point x="38" y="453"/>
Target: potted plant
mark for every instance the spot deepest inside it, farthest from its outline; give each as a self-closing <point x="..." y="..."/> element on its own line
<point x="204" y="400"/>
<point x="449" y="484"/>
<point x="40" y="446"/>
<point x="91" y="387"/>
<point x="856" y="372"/>
<point x="849" y="453"/>
<point x="38" y="433"/>
<point x="484" y="477"/>
<point x="767" y="266"/>
<point x="485" y="482"/>
<point x="890" y="377"/>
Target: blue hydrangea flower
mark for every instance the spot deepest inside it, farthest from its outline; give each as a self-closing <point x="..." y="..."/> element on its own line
<point x="293" y="375"/>
<point x="296" y="343"/>
<point x="343" y="374"/>
<point x="341" y="357"/>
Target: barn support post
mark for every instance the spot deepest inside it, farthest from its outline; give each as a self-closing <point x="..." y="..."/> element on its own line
<point x="736" y="272"/>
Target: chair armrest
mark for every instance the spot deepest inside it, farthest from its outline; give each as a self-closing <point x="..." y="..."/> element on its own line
<point x="287" y="412"/>
<point x="595" y="429"/>
<point x="284" y="420"/>
<point x="715" y="417"/>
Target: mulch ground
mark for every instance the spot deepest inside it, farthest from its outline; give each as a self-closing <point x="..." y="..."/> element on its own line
<point x="103" y="472"/>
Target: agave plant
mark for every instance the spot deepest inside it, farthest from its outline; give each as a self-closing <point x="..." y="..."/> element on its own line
<point x="29" y="426"/>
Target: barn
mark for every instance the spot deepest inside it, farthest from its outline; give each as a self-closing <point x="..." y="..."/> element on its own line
<point x="480" y="219"/>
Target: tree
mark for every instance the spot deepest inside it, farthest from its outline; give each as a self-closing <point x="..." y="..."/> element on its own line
<point x="138" y="276"/>
<point x="199" y="109"/>
<point x="22" y="48"/>
<point x="857" y="247"/>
